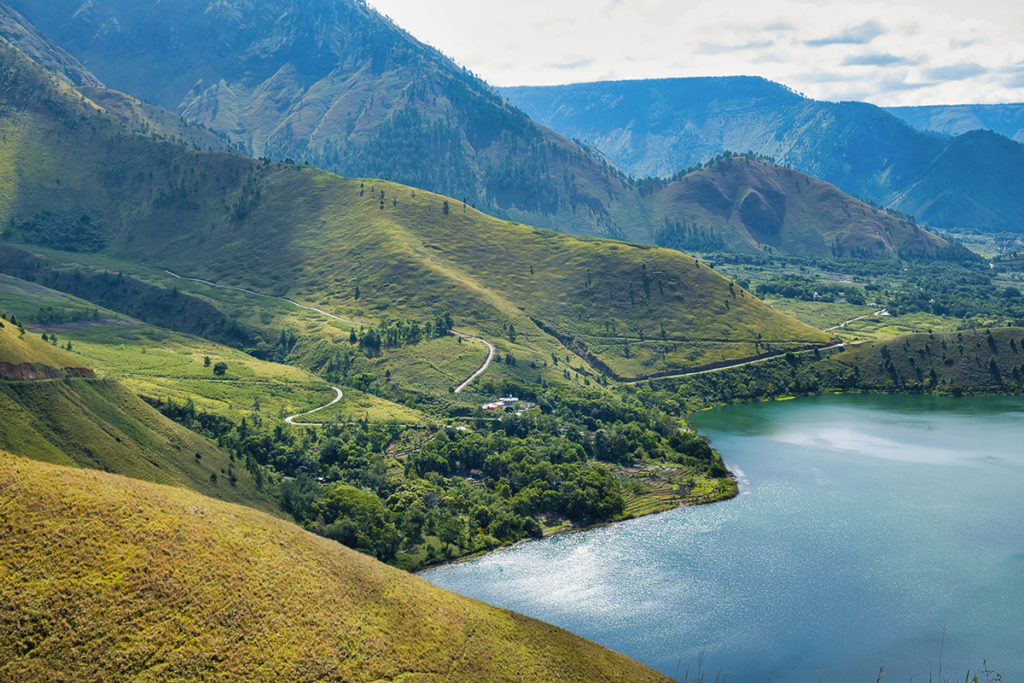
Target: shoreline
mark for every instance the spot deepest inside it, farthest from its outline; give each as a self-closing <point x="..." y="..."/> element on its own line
<point x="732" y="493"/>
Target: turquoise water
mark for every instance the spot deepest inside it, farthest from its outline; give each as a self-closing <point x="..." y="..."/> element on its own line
<point x="871" y="531"/>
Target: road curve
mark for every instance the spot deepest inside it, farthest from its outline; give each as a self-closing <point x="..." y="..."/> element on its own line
<point x="873" y="314"/>
<point x="291" y="420"/>
<point x="491" y="351"/>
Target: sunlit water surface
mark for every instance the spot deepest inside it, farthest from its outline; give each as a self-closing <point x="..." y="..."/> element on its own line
<point x="867" y="527"/>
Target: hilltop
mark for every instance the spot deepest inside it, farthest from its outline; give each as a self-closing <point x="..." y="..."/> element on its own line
<point x="657" y="127"/>
<point x="119" y="579"/>
<point x="739" y="204"/>
<point x="339" y="86"/>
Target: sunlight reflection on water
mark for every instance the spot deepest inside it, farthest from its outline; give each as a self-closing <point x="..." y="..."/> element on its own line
<point x="868" y="525"/>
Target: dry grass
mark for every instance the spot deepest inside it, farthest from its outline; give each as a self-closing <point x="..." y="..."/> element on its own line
<point x="107" y="578"/>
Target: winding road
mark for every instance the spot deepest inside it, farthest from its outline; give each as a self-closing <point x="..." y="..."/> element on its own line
<point x="291" y="420"/>
<point x="491" y="351"/>
<point x="490" y="356"/>
<point x="872" y="314"/>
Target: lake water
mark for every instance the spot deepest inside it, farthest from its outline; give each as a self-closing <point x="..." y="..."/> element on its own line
<point x="871" y="531"/>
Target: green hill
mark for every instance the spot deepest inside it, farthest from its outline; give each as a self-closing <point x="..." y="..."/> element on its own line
<point x="982" y="361"/>
<point x="115" y="579"/>
<point x="363" y="248"/>
<point x="741" y="204"/>
<point x="50" y="410"/>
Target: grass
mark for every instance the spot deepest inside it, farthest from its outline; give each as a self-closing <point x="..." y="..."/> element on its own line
<point x="164" y="364"/>
<point x="99" y="424"/>
<point x="117" y="579"/>
<point x="17" y="348"/>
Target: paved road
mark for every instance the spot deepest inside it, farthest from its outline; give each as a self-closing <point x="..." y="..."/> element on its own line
<point x="291" y="420"/>
<point x="839" y="345"/>
<point x="490" y="356"/>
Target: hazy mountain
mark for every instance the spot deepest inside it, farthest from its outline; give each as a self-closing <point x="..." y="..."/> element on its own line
<point x="657" y="127"/>
<point x="14" y="30"/>
<point x="338" y="85"/>
<point x="955" y="119"/>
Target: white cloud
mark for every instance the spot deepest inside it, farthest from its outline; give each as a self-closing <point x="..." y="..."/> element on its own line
<point x="921" y="52"/>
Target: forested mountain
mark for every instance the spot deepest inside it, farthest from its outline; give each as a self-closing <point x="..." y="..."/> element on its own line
<point x="955" y="119"/>
<point x="337" y="85"/>
<point x="657" y="127"/>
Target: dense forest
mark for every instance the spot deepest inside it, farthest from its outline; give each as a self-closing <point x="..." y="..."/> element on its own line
<point x="414" y="496"/>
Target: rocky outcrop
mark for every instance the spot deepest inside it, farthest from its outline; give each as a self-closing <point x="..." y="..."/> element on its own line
<point x="28" y="372"/>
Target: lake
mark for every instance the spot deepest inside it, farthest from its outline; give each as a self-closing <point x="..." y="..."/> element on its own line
<point x="871" y="531"/>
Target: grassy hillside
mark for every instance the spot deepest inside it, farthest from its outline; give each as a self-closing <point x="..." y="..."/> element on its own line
<point x="18" y="348"/>
<point x="983" y="361"/>
<point x="364" y="249"/>
<point x="98" y="423"/>
<point x="162" y="364"/>
<point x="115" y="579"/>
<point x="738" y="204"/>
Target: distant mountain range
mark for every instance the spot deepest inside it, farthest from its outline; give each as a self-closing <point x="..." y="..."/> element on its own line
<point x="956" y="119"/>
<point x="337" y="85"/>
<point x="658" y="127"/>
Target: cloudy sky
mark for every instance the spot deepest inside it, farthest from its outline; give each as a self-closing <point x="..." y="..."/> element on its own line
<point x="888" y="53"/>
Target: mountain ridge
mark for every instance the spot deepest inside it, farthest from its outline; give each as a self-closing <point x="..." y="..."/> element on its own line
<point x="656" y="127"/>
<point x="361" y="98"/>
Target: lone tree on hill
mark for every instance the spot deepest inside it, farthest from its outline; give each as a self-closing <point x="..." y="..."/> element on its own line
<point x="220" y="368"/>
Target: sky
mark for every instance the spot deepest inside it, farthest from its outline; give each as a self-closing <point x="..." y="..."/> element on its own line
<point x="887" y="53"/>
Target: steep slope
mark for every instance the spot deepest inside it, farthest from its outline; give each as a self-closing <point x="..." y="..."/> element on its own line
<point x="18" y="33"/>
<point x="337" y="85"/>
<point x="956" y="119"/>
<point x="974" y="181"/>
<point x="113" y="579"/>
<point x="378" y="247"/>
<point x="657" y="127"/>
<point x="50" y="410"/>
<point x="740" y="204"/>
<point x="14" y="30"/>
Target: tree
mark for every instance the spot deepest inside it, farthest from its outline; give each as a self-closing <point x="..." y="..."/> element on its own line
<point x="445" y="209"/>
<point x="220" y="368"/>
<point x="206" y="361"/>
